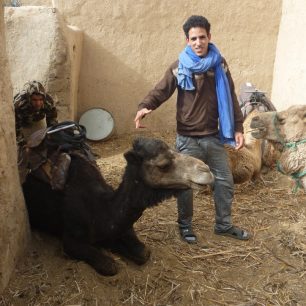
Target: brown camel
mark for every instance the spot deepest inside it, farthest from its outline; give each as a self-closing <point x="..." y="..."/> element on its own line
<point x="288" y="130"/>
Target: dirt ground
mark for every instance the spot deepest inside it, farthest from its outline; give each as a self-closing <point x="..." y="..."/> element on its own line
<point x="269" y="269"/>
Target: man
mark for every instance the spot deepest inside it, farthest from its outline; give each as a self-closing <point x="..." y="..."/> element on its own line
<point x="34" y="109"/>
<point x="208" y="115"/>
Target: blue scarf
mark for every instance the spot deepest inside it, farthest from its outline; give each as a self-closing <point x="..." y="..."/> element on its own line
<point x="190" y="63"/>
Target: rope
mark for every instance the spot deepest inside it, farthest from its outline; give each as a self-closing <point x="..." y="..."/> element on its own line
<point x="280" y="139"/>
<point x="288" y="145"/>
<point x="297" y="177"/>
<point x="294" y="144"/>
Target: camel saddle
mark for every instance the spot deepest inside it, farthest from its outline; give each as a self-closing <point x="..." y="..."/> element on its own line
<point x="250" y="98"/>
<point x="46" y="154"/>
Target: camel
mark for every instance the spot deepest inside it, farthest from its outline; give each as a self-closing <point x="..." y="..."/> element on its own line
<point x="257" y="156"/>
<point x="287" y="129"/>
<point x="89" y="216"/>
<point x="246" y="163"/>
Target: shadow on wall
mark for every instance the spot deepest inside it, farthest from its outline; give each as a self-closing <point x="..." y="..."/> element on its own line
<point x="107" y="82"/>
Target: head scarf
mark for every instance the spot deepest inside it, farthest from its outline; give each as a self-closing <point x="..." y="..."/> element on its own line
<point x="30" y="88"/>
<point x="34" y="87"/>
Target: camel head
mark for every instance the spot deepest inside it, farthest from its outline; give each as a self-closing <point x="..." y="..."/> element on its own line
<point x="282" y="127"/>
<point x="248" y="137"/>
<point x="160" y="167"/>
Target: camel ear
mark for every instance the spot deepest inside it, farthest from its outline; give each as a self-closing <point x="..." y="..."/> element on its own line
<point x="132" y="157"/>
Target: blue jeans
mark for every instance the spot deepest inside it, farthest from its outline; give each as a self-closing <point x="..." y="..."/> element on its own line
<point x="210" y="150"/>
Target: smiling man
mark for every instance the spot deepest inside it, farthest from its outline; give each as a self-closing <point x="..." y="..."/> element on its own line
<point x="208" y="116"/>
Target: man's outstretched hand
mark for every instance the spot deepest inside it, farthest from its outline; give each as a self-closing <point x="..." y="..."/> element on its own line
<point x="141" y="114"/>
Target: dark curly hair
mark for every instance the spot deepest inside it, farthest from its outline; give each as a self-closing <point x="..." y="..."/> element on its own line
<point x="195" y="21"/>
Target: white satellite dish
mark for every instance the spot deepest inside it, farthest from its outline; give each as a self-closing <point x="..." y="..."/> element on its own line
<point x="98" y="122"/>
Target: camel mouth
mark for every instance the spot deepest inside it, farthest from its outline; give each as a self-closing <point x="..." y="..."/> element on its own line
<point x="200" y="184"/>
<point x="258" y="132"/>
<point x="257" y="128"/>
<point x="197" y="186"/>
<point x="182" y="186"/>
<point x="196" y="183"/>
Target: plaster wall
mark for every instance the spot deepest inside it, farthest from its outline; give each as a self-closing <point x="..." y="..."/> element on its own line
<point x="28" y="2"/>
<point x="14" y="229"/>
<point x="36" y="2"/>
<point x="46" y="50"/>
<point x="129" y="44"/>
<point x="290" y="68"/>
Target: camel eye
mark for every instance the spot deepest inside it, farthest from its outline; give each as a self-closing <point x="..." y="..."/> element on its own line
<point x="281" y="121"/>
<point x="164" y="165"/>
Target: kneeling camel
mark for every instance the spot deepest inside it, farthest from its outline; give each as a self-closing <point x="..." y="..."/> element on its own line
<point x="90" y="216"/>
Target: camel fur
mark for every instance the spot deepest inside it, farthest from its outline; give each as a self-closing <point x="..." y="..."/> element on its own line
<point x="89" y="216"/>
<point x="246" y="163"/>
<point x="288" y="130"/>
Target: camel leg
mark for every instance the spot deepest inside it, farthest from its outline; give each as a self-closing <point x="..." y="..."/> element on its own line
<point x="130" y="247"/>
<point x="79" y="250"/>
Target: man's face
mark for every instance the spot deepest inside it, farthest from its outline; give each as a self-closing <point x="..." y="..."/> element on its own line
<point x="198" y="41"/>
<point x="37" y="101"/>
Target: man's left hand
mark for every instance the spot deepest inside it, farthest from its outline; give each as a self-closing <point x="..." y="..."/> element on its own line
<point x="239" y="138"/>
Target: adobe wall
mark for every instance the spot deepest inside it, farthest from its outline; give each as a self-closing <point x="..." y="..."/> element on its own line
<point x="14" y="230"/>
<point x="290" y="68"/>
<point x="46" y="50"/>
<point x="129" y="44"/>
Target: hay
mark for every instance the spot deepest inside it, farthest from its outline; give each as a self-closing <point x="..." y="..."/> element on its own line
<point x="267" y="270"/>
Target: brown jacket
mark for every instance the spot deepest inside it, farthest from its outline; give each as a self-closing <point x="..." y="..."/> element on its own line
<point x="197" y="110"/>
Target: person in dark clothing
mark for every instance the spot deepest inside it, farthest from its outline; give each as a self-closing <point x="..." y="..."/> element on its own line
<point x="208" y="116"/>
<point x="34" y="109"/>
